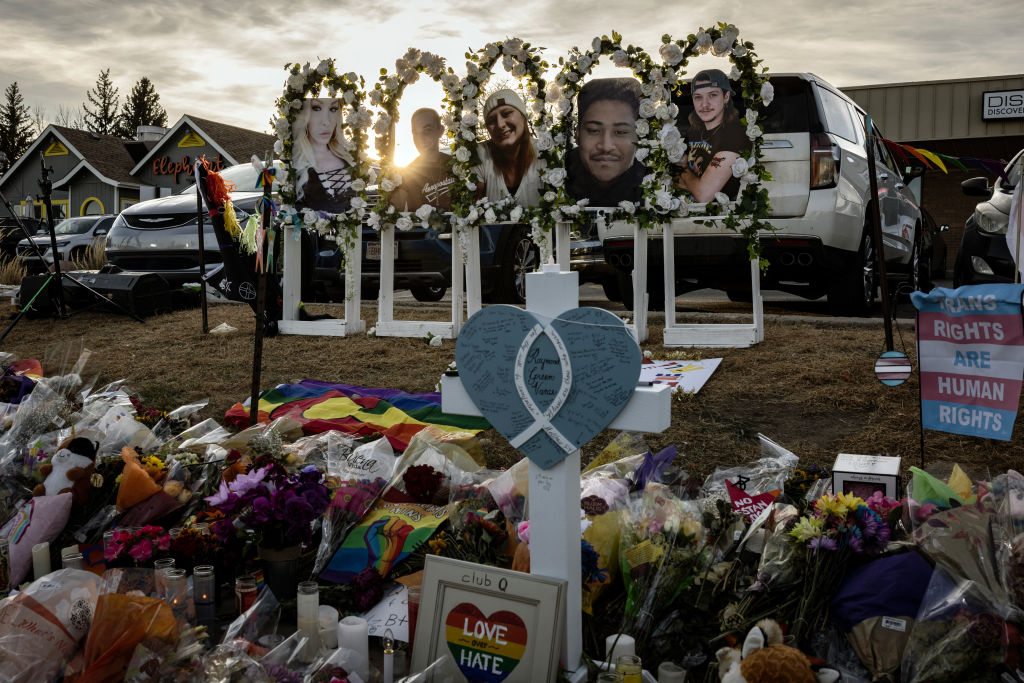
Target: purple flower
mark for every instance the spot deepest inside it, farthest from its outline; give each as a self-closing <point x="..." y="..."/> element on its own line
<point x="822" y="542"/>
<point x="368" y="587"/>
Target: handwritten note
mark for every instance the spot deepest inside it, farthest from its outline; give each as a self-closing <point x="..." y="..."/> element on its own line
<point x="392" y="612"/>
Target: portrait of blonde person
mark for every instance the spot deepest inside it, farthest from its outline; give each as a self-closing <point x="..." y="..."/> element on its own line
<point x="715" y="140"/>
<point x="603" y="168"/>
<point x="428" y="178"/>
<point x="319" y="157"/>
<point x="508" y="160"/>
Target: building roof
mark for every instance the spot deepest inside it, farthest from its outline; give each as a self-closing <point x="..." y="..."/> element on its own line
<point x="105" y="153"/>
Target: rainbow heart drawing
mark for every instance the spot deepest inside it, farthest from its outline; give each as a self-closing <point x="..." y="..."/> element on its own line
<point x="487" y="649"/>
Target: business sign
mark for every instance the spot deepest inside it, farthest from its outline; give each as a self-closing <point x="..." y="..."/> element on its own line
<point x="970" y="349"/>
<point x="1002" y="104"/>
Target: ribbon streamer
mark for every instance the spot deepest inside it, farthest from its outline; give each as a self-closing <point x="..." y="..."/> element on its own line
<point x="542" y="420"/>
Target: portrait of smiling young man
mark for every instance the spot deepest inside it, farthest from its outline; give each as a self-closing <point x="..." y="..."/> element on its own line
<point x="603" y="168"/>
<point x="715" y="140"/>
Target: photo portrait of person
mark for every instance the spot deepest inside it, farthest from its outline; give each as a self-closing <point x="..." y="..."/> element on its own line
<point x="603" y="167"/>
<point x="428" y="178"/>
<point x="715" y="140"/>
<point x="321" y="163"/>
<point x="508" y="160"/>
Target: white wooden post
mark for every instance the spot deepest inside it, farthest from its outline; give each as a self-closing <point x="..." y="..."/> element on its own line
<point x="471" y="258"/>
<point x="554" y="502"/>
<point x="562" y="244"/>
<point x="639" y="283"/>
<point x="292" y="290"/>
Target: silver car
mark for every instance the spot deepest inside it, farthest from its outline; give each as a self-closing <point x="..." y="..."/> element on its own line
<point x="75" y="237"/>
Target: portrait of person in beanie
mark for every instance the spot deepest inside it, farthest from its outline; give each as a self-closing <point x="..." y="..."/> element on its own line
<point x="715" y="140"/>
<point x="428" y="179"/>
<point x="603" y="168"/>
<point x="319" y="157"/>
<point x="508" y="159"/>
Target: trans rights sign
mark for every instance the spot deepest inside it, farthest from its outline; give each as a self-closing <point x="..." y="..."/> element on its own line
<point x="971" y="354"/>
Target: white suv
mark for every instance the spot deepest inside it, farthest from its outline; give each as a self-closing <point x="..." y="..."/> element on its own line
<point x="75" y="237"/>
<point x="815" y="149"/>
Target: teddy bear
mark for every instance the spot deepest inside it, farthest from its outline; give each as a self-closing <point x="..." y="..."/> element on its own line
<point x="764" y="659"/>
<point x="70" y="469"/>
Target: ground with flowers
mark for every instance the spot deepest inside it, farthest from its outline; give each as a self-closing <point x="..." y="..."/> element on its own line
<point x="809" y="386"/>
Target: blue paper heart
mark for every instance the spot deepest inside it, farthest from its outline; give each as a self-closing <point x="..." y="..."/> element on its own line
<point x="509" y="365"/>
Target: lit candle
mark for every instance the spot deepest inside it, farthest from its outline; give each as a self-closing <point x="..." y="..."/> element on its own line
<point x="389" y="657"/>
<point x="353" y="634"/>
<point x="203" y="584"/>
<point x="41" y="559"/>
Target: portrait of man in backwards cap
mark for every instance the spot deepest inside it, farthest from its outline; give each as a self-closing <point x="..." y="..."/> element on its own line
<point x="603" y="167"/>
<point x="715" y="140"/>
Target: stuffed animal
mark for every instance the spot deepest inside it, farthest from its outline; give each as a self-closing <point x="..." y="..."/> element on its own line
<point x="764" y="659"/>
<point x="70" y="469"/>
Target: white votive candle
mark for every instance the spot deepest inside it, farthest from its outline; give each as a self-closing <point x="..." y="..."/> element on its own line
<point x="41" y="559"/>
<point x="354" y="634"/>
<point x="328" y="627"/>
<point x="613" y="649"/>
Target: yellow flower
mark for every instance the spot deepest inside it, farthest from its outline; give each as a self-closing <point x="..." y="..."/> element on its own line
<point x="851" y="501"/>
<point x="808" y="528"/>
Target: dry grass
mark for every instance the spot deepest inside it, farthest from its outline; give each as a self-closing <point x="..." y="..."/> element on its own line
<point x="12" y="270"/>
<point x="810" y="386"/>
<point x="93" y="258"/>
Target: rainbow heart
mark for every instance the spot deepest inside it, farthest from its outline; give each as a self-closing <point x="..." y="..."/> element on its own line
<point x="487" y="649"/>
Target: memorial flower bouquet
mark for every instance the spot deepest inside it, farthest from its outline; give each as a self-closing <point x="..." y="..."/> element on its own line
<point x="828" y="539"/>
<point x="279" y="508"/>
<point x="136" y="546"/>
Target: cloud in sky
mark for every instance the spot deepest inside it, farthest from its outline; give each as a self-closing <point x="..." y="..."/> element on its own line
<point x="224" y="60"/>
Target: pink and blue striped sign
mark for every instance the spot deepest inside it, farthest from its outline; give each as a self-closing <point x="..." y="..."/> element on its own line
<point x="971" y="357"/>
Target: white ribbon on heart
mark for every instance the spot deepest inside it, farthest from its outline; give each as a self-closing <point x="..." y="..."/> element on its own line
<point x="542" y="419"/>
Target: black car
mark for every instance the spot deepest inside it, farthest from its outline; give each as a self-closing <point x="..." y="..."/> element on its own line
<point x="984" y="256"/>
<point x="11" y="234"/>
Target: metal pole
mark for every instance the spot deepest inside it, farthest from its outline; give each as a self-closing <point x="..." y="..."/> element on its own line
<point x="202" y="250"/>
<point x="876" y="223"/>
<point x="261" y="297"/>
<point x="46" y="186"/>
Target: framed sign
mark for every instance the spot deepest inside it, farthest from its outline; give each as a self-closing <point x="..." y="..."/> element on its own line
<point x="497" y="624"/>
<point x="1002" y="104"/>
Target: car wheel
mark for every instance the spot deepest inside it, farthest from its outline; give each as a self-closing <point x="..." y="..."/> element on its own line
<point x="920" y="278"/>
<point x="520" y="257"/>
<point x="611" y="288"/>
<point x="429" y="293"/>
<point x="743" y="296"/>
<point x="852" y="292"/>
<point x="655" y="291"/>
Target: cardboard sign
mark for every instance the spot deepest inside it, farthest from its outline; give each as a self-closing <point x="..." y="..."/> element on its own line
<point x="549" y="386"/>
<point x="496" y="624"/>
<point x="969" y="342"/>
<point x="390" y="614"/>
<point x="750" y="506"/>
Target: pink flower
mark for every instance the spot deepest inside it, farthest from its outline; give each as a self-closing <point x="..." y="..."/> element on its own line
<point x="163" y="542"/>
<point x="112" y="550"/>
<point x="142" y="551"/>
<point x="523" y="531"/>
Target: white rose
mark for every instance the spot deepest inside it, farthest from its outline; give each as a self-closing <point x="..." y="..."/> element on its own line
<point x="661" y="111"/>
<point x="386" y="185"/>
<point x="383" y="124"/>
<point x="492" y="50"/>
<point x="585" y="63"/>
<point x="750" y="115"/>
<point x="296" y="104"/>
<point x="321" y="224"/>
<point x="676" y="152"/>
<point x="537" y="106"/>
<point x="730" y="32"/>
<point x="721" y="198"/>
<point x="323" y="67"/>
<point x="641" y="153"/>
<point x="740" y="50"/>
<point x="490" y="216"/>
<point x="512" y="45"/>
<point x="462" y="154"/>
<point x="358" y="203"/>
<point x="544" y="141"/>
<point x="734" y="73"/>
<point x="549" y="196"/>
<point x="282" y="127"/>
<point x="449" y="81"/>
<point x="278" y="147"/>
<point x="753" y="131"/>
<point x="436" y="340"/>
<point x="664" y="200"/>
<point x="739" y="167"/>
<point x="468" y="134"/>
<point x="515" y="214"/>
<point x="358" y="185"/>
<point x="296" y="82"/>
<point x="470" y="119"/>
<point x="403" y="223"/>
<point x="642" y="127"/>
<point x="552" y="93"/>
<point x="555" y="177"/>
<point x="703" y="41"/>
<point x="376" y="97"/>
<point x="373" y="220"/>
<point x="563" y="106"/>
<point x="519" y="70"/>
<point x="671" y="53"/>
<point x="647" y="107"/>
<point x="595" y="45"/>
<point x="471" y="186"/>
<point x="507" y="62"/>
<point x="721" y="46"/>
<point x="560" y="139"/>
<point x="620" y="58"/>
<point x="573" y="76"/>
<point x="669" y="135"/>
<point x="749" y="178"/>
<point x="627" y="206"/>
<point x="469" y="90"/>
<point x="352" y="76"/>
<point x="423" y="213"/>
<point x="767" y="93"/>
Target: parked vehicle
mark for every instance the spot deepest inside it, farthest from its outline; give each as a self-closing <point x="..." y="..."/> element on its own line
<point x="823" y="244"/>
<point x="11" y="234"/>
<point x="984" y="256"/>
<point x="75" y="237"/>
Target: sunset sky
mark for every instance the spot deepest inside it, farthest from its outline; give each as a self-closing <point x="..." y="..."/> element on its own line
<point x="224" y="61"/>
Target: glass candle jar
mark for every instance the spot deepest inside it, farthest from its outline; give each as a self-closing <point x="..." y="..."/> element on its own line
<point x="245" y="593"/>
<point x="203" y="584"/>
<point x="307" y="600"/>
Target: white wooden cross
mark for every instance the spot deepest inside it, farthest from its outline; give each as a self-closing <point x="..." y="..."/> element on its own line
<point x="554" y="501"/>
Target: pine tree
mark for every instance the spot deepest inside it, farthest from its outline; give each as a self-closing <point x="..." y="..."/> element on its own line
<point x="141" y="108"/>
<point x="15" y="126"/>
<point x="102" y="117"/>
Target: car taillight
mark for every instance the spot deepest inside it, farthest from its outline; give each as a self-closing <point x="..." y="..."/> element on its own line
<point x="824" y="162"/>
